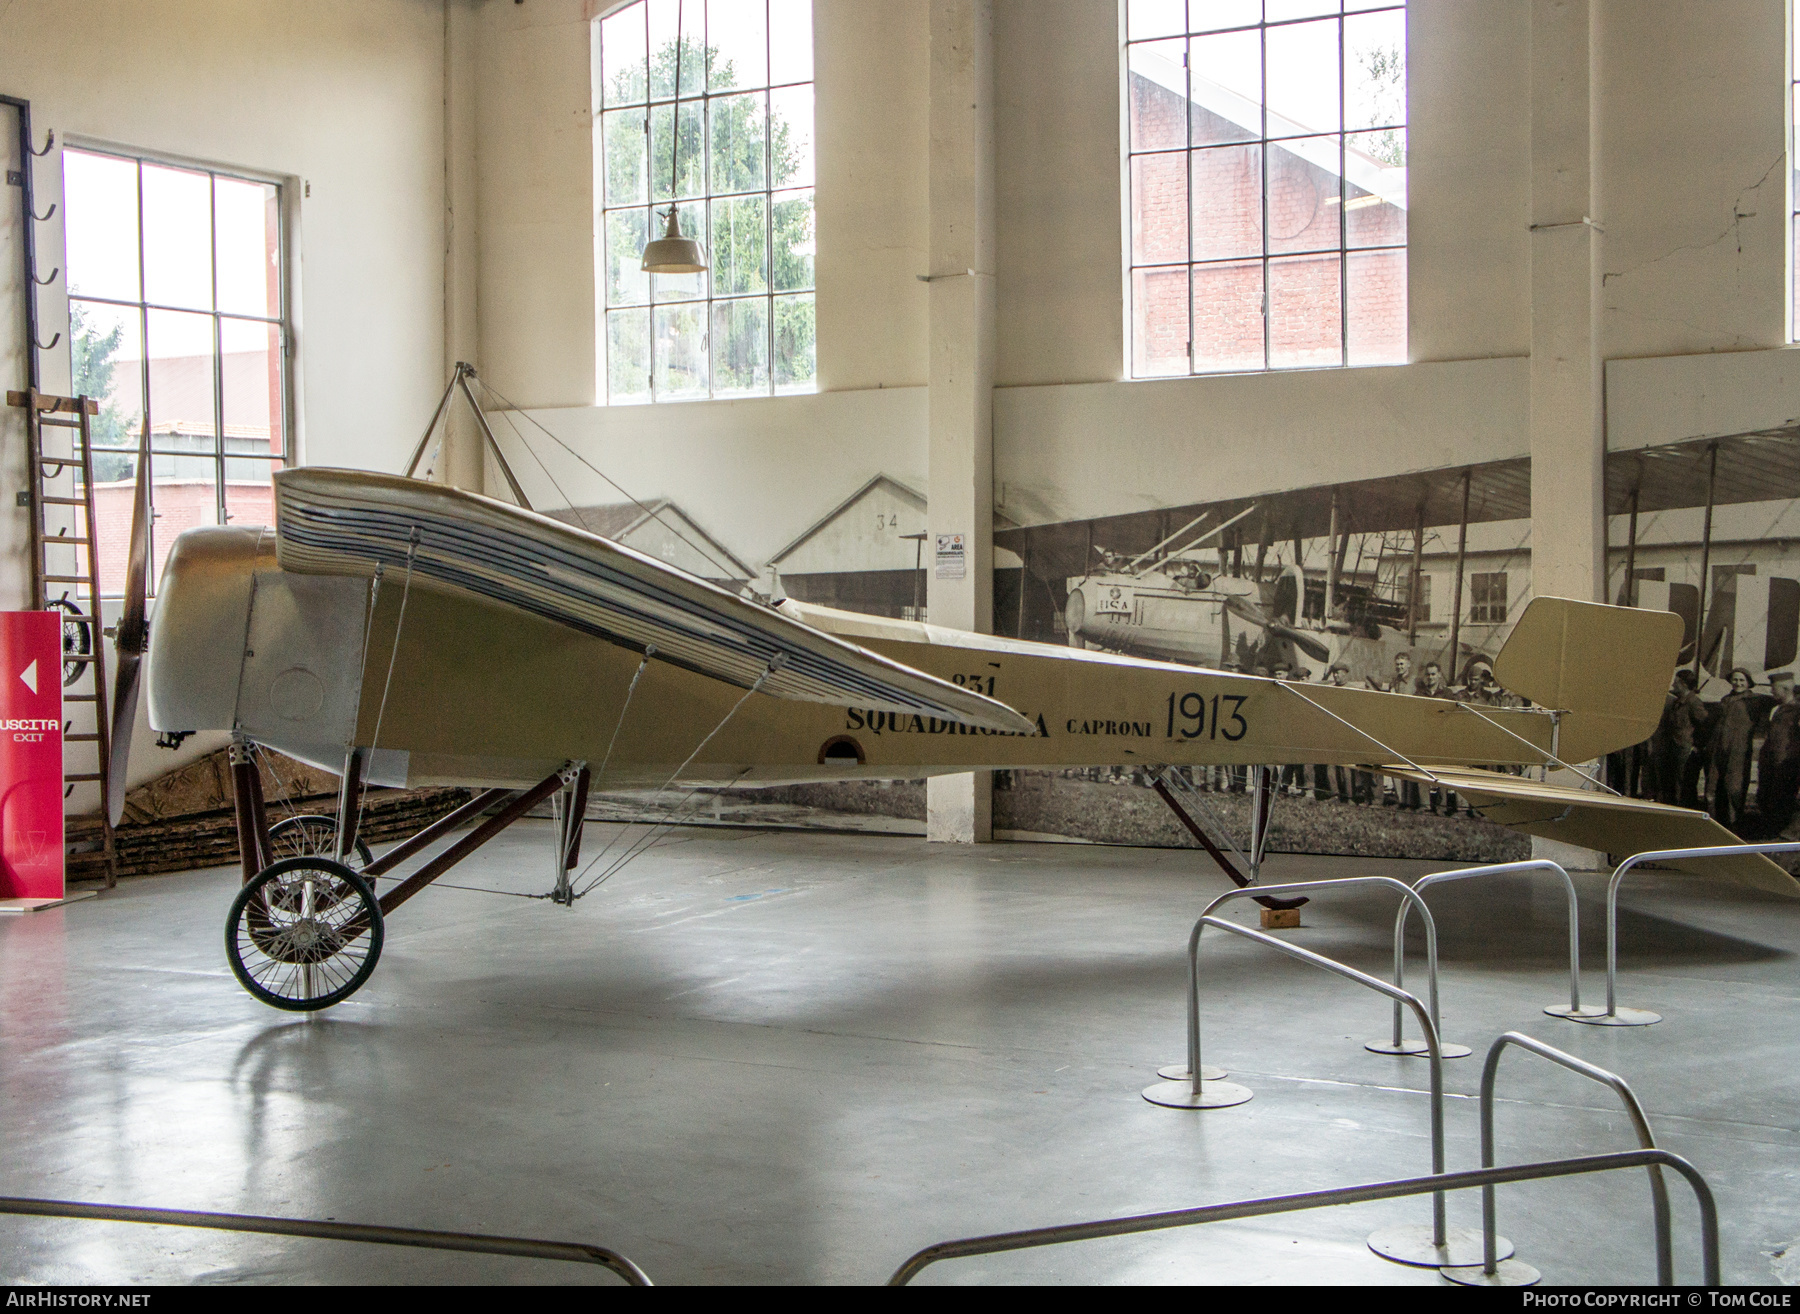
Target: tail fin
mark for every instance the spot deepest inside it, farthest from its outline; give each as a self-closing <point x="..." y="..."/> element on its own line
<point x="1608" y="668"/>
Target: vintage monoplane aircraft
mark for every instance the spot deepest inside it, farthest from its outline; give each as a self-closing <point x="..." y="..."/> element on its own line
<point x="404" y="633"/>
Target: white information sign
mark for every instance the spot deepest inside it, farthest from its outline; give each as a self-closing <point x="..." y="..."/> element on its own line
<point x="952" y="556"/>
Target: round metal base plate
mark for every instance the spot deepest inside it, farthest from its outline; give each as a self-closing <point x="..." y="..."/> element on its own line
<point x="1179" y="1072"/>
<point x="1213" y="1095"/>
<point x="1585" y="1013"/>
<point x="1410" y="1243"/>
<point x="1409" y="1047"/>
<point x="1507" y="1273"/>
<point x="1624" y="1017"/>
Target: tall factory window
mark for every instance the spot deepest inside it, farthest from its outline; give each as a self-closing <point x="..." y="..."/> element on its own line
<point x="176" y="322"/>
<point x="734" y="154"/>
<point x="1267" y="179"/>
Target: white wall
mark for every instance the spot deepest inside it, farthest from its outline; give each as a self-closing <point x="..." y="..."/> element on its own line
<point x="1693" y="176"/>
<point x="1692" y="138"/>
<point x="535" y="170"/>
<point x="344" y="95"/>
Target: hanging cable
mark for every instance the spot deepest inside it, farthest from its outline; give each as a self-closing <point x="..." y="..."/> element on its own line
<point x="727" y="572"/>
<point x="412" y="546"/>
<point x="529" y="451"/>
<point x="649" y="652"/>
<point x="659" y="831"/>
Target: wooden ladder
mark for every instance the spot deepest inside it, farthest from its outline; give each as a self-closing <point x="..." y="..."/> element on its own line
<point x="65" y="558"/>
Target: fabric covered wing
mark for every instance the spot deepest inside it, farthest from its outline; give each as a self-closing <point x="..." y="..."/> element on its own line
<point x="1619" y="826"/>
<point x="347" y="522"/>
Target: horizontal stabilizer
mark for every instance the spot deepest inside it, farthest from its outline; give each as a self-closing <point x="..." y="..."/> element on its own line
<point x="1614" y="825"/>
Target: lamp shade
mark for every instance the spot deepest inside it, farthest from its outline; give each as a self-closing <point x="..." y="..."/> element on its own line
<point x="672" y="253"/>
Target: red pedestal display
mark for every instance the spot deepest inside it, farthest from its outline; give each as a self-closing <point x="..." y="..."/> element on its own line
<point x="31" y="755"/>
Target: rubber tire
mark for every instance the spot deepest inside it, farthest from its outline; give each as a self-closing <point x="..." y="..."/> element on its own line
<point x="376" y="934"/>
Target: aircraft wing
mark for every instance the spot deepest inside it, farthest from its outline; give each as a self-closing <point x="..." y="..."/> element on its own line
<point x="347" y="522"/>
<point x="1593" y="820"/>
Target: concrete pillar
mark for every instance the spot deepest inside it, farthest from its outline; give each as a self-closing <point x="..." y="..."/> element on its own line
<point x="1568" y="435"/>
<point x="460" y="464"/>
<point x="959" y="809"/>
<point x="1568" y="421"/>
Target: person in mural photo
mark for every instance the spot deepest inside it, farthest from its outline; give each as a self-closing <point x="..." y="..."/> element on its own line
<point x="1349" y="784"/>
<point x="1778" y="764"/>
<point x="1404" y="793"/>
<point x="1739" y="716"/>
<point x="1431" y="685"/>
<point x="1687" y="752"/>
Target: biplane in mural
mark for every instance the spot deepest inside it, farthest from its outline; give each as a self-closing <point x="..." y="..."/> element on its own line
<point x="1174" y="608"/>
<point x="405" y="633"/>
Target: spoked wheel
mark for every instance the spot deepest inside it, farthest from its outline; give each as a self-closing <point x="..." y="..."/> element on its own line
<point x="77" y="643"/>
<point x="304" y="934"/>
<point x="311" y="835"/>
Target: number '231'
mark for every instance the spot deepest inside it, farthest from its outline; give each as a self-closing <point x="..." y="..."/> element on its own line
<point x="1190" y="710"/>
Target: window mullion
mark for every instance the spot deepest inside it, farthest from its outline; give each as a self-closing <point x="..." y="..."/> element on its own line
<point x="1343" y="200"/>
<point x="144" y="372"/>
<point x="1268" y="304"/>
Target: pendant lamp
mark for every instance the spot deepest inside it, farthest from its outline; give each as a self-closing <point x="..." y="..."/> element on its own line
<point x="672" y="253"/>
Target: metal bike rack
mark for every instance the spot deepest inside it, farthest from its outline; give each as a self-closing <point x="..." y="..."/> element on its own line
<point x="1614" y="1016"/>
<point x="471" y="1242"/>
<point x="1432" y="1247"/>
<point x="1178" y="1072"/>
<point x="1000" y="1242"/>
<point x="1399" y="1045"/>
<point x="1495" y="1272"/>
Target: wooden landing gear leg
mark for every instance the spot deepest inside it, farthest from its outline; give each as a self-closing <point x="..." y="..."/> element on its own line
<point x="254" y="849"/>
<point x="1259" y="782"/>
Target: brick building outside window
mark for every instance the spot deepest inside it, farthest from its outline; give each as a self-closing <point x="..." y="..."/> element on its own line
<point x="1267" y="177"/>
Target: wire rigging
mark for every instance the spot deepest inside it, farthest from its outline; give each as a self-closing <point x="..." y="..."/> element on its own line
<point x="513" y="407"/>
<point x="775" y="664"/>
<point x="412" y="546"/>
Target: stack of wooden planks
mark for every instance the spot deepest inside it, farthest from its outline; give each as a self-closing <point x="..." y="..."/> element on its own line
<point x="184" y="820"/>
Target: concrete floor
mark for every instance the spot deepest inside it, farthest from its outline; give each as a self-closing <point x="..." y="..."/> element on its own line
<point x="778" y="1057"/>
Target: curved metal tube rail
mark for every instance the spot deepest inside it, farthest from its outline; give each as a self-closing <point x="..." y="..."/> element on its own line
<point x="471" y="1242"/>
<point x="1659" y="1191"/>
<point x="1426" y="1023"/>
<point x="1408" y="897"/>
<point x="1612" y="902"/>
<point x="1496" y="869"/>
<point x="1286" y="1204"/>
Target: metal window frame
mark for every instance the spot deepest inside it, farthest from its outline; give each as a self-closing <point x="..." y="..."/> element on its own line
<point x="1263" y="142"/>
<point x="704" y="201"/>
<point x="282" y="321"/>
<point x="1488" y="603"/>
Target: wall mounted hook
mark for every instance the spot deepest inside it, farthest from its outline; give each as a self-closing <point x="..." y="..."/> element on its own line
<point x="49" y="141"/>
<point x="44" y="218"/>
<point x="46" y="282"/>
<point x="46" y="346"/>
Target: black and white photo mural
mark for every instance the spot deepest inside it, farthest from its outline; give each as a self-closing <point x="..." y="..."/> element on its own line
<point x="1409" y="584"/>
<point x="1708" y="529"/>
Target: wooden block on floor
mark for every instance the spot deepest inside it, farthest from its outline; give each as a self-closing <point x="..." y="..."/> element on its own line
<point x="1280" y="919"/>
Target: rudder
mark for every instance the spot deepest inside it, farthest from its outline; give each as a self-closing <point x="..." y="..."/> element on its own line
<point x="1607" y="667"/>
